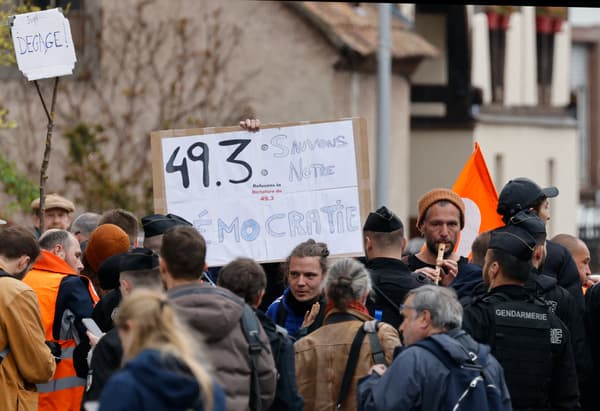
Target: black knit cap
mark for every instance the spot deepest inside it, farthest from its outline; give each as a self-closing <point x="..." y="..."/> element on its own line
<point x="513" y="240"/>
<point x="157" y="224"/>
<point x="531" y="222"/>
<point x="382" y="221"/>
<point x="136" y="259"/>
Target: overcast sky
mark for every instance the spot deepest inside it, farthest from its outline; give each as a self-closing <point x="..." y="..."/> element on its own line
<point x="584" y="16"/>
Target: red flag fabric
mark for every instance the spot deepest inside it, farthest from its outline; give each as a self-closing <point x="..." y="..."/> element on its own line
<point x="477" y="190"/>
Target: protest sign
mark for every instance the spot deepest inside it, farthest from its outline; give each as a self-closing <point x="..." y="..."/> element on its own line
<point x="43" y="44"/>
<point x="259" y="194"/>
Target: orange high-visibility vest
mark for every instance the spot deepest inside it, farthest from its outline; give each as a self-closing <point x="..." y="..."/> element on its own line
<point x="65" y="390"/>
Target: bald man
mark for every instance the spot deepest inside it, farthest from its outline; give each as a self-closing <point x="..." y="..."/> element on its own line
<point x="581" y="255"/>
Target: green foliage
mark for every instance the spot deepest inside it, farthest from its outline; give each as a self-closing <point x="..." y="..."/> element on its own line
<point x="90" y="170"/>
<point x="16" y="185"/>
<point x="10" y="8"/>
<point x="5" y="123"/>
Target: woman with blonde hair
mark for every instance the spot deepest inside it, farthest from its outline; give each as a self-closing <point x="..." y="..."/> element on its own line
<point x="162" y="370"/>
<point x="322" y="356"/>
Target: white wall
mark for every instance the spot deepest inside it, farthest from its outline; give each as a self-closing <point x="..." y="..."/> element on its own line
<point x="526" y="151"/>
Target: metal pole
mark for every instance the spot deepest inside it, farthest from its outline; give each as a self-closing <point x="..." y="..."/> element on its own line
<point x="384" y="69"/>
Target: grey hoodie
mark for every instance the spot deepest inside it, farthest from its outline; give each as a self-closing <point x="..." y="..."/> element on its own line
<point x="215" y="313"/>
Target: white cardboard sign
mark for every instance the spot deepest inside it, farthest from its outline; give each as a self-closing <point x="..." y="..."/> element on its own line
<point x="43" y="44"/>
<point x="260" y="194"/>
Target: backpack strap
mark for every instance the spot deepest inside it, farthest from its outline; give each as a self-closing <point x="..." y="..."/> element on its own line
<point x="386" y="298"/>
<point x="370" y="328"/>
<point x="350" y="365"/>
<point x="376" y="351"/>
<point x="280" y="314"/>
<point x="434" y="348"/>
<point x="251" y="332"/>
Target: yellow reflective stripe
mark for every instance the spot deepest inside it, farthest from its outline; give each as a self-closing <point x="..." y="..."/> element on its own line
<point x="61" y="384"/>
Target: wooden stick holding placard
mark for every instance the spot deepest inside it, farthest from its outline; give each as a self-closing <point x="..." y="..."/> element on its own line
<point x="43" y="49"/>
<point x="48" y="148"/>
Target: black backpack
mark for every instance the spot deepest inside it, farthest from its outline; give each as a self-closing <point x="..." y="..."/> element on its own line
<point x="470" y="386"/>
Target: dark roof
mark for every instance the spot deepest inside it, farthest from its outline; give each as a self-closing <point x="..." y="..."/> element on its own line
<point x="356" y="28"/>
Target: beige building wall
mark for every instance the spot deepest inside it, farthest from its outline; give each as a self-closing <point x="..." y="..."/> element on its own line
<point x="546" y="154"/>
<point x="293" y="80"/>
<point x="433" y="70"/>
<point x="437" y="158"/>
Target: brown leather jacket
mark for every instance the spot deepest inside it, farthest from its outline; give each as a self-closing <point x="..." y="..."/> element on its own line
<point x="29" y="361"/>
<point x="321" y="359"/>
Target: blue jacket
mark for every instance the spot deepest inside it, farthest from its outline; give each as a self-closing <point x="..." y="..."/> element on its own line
<point x="293" y="322"/>
<point x="148" y="383"/>
<point x="415" y="379"/>
<point x="468" y="278"/>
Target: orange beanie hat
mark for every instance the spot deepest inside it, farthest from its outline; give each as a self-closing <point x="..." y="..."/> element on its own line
<point x="105" y="241"/>
<point x="440" y="194"/>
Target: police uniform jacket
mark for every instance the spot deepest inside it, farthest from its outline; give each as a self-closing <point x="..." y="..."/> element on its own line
<point x="592" y="324"/>
<point x="553" y="377"/>
<point x="392" y="280"/>
<point x="564" y="305"/>
<point x="560" y="265"/>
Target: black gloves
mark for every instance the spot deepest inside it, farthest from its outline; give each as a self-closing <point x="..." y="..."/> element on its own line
<point x="55" y="350"/>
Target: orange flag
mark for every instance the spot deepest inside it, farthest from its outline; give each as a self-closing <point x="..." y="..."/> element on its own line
<point x="477" y="190"/>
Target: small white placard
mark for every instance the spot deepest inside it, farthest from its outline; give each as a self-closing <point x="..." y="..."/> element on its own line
<point x="43" y="44"/>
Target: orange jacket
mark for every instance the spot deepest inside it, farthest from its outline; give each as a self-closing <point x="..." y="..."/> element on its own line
<point x="65" y="390"/>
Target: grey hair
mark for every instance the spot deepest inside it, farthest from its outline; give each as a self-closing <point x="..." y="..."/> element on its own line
<point x="347" y="280"/>
<point x="441" y="302"/>
<point x="51" y="238"/>
<point x="85" y="224"/>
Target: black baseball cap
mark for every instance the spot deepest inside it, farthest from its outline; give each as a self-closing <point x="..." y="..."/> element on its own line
<point x="520" y="194"/>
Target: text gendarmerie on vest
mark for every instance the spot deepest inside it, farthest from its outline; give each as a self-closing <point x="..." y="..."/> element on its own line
<point x="528" y="315"/>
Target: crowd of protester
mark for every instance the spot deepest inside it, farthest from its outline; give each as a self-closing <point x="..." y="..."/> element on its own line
<point x="388" y="331"/>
